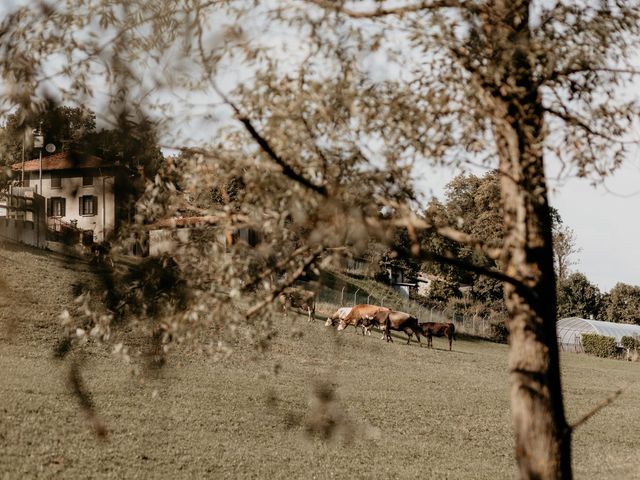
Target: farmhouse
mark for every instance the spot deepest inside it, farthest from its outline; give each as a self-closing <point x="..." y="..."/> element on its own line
<point x="570" y="330"/>
<point x="80" y="192"/>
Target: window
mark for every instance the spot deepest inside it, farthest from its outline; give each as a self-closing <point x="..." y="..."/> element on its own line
<point x="87" y="180"/>
<point x="56" y="180"/>
<point x="88" y="205"/>
<point x="56" y="207"/>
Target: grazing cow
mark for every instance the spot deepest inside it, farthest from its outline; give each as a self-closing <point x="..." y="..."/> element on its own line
<point x="358" y="314"/>
<point x="339" y="314"/>
<point x="434" y="329"/>
<point x="305" y="300"/>
<point x="398" y="321"/>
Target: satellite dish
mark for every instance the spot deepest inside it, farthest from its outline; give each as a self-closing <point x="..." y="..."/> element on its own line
<point x="50" y="148"/>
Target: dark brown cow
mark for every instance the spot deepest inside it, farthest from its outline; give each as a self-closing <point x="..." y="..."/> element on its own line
<point x="434" y="329"/>
<point x="398" y="321"/>
<point x="358" y="314"/>
<point x="305" y="300"/>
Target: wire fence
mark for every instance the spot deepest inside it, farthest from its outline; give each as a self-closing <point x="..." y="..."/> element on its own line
<point x="328" y="300"/>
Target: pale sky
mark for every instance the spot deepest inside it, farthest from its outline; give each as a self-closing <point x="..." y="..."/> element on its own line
<point x="606" y="221"/>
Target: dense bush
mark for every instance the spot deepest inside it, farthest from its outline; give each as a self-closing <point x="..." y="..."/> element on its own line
<point x="599" y="345"/>
<point x="499" y="332"/>
<point x="630" y="343"/>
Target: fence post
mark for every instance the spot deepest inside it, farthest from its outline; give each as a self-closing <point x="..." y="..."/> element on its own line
<point x="342" y="297"/>
<point x="355" y="298"/>
<point x="368" y="298"/>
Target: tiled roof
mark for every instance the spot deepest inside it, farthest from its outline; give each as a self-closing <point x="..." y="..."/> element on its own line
<point x="62" y="161"/>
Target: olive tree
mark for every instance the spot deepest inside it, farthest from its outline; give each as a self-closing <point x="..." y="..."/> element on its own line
<point x="326" y="110"/>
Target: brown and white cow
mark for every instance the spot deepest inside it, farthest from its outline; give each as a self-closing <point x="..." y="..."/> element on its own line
<point x="292" y="297"/>
<point x="398" y="321"/>
<point x="338" y="315"/>
<point x="358" y="314"/>
<point x="434" y="329"/>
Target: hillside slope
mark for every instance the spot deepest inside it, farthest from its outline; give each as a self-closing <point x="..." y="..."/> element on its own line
<point x="317" y="404"/>
<point x="35" y="287"/>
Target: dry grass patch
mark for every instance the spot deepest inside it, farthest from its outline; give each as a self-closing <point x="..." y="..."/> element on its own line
<point x="318" y="405"/>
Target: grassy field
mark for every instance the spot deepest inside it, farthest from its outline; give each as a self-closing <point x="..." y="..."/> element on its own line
<point x="389" y="411"/>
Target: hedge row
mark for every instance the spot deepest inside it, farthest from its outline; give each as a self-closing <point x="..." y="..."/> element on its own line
<point x="599" y="345"/>
<point x="630" y="343"/>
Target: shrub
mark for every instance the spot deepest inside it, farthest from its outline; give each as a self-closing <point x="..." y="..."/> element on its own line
<point x="599" y="345"/>
<point x="499" y="332"/>
<point x="630" y="343"/>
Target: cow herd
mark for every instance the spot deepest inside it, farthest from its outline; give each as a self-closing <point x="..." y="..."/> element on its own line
<point x="367" y="316"/>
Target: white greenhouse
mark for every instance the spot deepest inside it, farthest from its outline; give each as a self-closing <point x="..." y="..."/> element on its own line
<point x="570" y="330"/>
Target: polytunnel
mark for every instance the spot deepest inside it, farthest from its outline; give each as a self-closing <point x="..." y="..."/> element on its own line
<point x="570" y="330"/>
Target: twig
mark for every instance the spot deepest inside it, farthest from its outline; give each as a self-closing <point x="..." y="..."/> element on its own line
<point x="297" y="274"/>
<point x="401" y="10"/>
<point x="573" y="120"/>
<point x="266" y="147"/>
<point x="279" y="266"/>
<point x="86" y="403"/>
<point x="599" y="406"/>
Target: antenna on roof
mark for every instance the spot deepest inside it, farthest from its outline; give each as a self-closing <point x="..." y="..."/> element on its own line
<point x="38" y="142"/>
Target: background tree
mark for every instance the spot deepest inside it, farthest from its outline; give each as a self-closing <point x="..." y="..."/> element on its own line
<point x="623" y="304"/>
<point x="473" y="205"/>
<point x="63" y="126"/>
<point x="441" y="292"/>
<point x="323" y="143"/>
<point x="564" y="247"/>
<point x="577" y="297"/>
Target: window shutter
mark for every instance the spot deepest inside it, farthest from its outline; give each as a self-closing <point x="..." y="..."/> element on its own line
<point x="80" y="212"/>
<point x="63" y="205"/>
<point x="49" y="212"/>
<point x="95" y="205"/>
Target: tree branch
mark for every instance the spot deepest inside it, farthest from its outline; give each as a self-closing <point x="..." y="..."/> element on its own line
<point x="448" y="259"/>
<point x="466" y="239"/>
<point x="449" y="233"/>
<point x="77" y="387"/>
<point x="577" y="122"/>
<point x="270" y="271"/>
<point x="557" y="74"/>
<point x="599" y="406"/>
<point x="275" y="293"/>
<point x="383" y="12"/>
<point x="266" y="147"/>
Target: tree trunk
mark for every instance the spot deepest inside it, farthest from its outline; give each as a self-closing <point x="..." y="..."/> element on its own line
<point x="543" y="441"/>
<point x="543" y="438"/>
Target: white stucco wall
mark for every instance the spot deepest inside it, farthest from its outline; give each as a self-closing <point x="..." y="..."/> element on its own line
<point x="71" y="189"/>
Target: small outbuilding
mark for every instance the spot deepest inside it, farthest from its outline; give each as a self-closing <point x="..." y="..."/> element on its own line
<point x="570" y="330"/>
